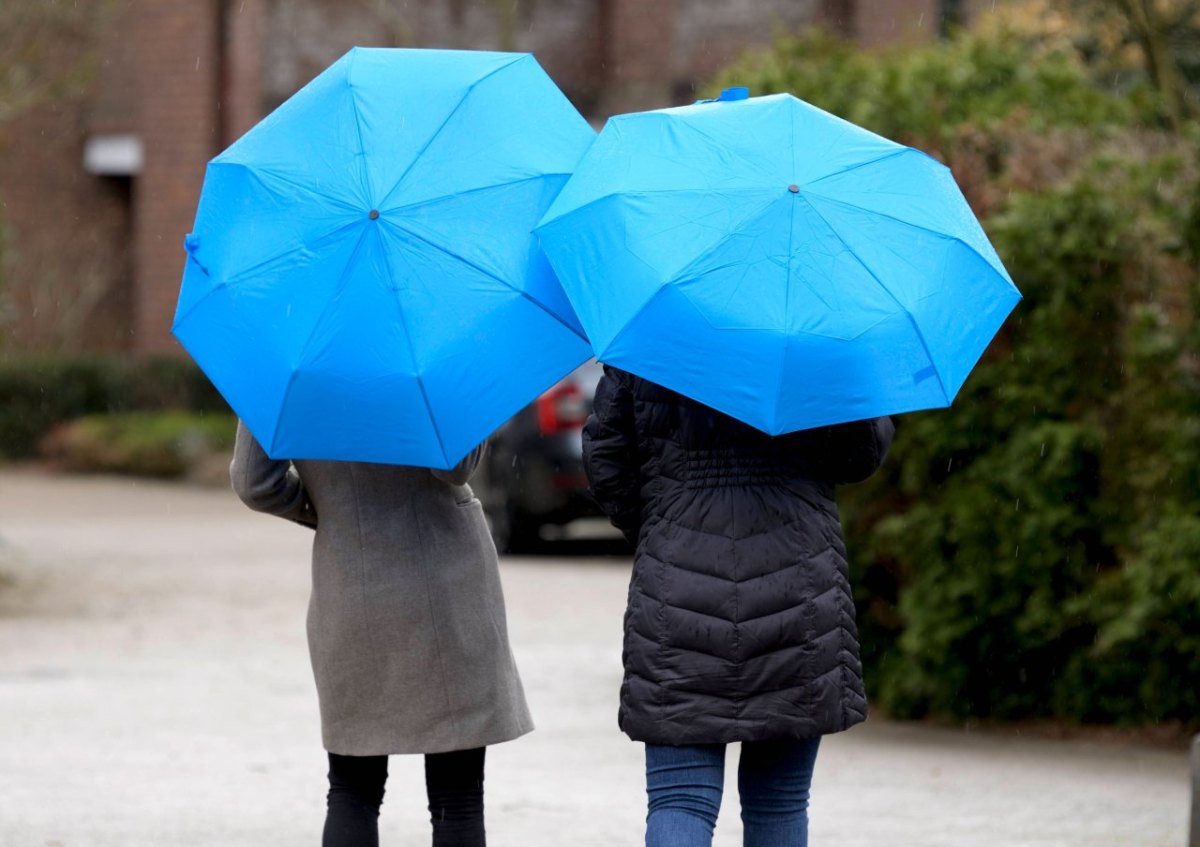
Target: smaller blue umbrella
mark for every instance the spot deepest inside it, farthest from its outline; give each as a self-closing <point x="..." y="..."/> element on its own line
<point x="362" y="282"/>
<point x="776" y="262"/>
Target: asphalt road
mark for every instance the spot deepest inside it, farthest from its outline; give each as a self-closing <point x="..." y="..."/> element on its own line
<point x="155" y="690"/>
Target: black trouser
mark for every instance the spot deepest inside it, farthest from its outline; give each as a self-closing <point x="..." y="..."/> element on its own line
<point x="453" y="781"/>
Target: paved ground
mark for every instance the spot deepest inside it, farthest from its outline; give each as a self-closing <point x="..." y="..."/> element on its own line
<point x="155" y="690"/>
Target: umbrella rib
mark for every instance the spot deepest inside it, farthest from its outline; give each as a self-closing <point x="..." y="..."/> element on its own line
<point x="879" y="214"/>
<point x="602" y="354"/>
<point x="686" y="270"/>
<point x="890" y="154"/>
<point x="916" y="329"/>
<point x="723" y="240"/>
<point x="312" y="334"/>
<point x="249" y="272"/>
<point x="255" y="268"/>
<point x="257" y="172"/>
<point x="646" y="193"/>
<point x="420" y="204"/>
<point x="412" y="354"/>
<point x="429" y="142"/>
<point x="787" y="298"/>
<point x="485" y="272"/>
<point x="364" y="177"/>
<point x="723" y="147"/>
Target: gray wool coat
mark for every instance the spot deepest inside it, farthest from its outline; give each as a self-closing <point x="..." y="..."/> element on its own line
<point x="406" y="623"/>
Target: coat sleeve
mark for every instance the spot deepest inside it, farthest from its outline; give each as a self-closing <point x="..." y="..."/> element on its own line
<point x="268" y="485"/>
<point x="844" y="453"/>
<point x="460" y="473"/>
<point x="610" y="453"/>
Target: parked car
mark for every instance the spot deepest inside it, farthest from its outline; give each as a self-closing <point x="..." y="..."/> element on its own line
<point x="532" y="473"/>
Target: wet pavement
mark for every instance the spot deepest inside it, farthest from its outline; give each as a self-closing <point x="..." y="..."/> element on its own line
<point x="155" y="690"/>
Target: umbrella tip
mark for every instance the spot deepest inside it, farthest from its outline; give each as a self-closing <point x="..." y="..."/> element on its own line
<point x="373" y="214"/>
<point x="795" y="189"/>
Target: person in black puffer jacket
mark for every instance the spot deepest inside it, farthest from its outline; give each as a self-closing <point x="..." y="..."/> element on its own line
<point x="740" y="622"/>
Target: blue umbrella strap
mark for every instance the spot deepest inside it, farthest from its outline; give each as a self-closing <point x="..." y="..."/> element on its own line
<point x="729" y="94"/>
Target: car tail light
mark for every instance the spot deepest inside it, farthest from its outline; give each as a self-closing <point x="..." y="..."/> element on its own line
<point x="561" y="409"/>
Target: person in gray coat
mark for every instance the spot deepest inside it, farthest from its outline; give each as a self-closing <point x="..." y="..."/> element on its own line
<point x="406" y="631"/>
<point x="740" y="621"/>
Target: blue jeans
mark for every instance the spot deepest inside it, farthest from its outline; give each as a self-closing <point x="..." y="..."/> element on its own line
<point x="684" y="784"/>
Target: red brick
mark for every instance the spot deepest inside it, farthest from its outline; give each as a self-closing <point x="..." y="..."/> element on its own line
<point x="176" y="116"/>
<point x="65" y="258"/>
<point x="241" y="105"/>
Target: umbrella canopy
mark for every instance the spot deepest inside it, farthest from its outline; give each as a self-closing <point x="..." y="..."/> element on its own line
<point x="776" y="262"/>
<point x="362" y="282"/>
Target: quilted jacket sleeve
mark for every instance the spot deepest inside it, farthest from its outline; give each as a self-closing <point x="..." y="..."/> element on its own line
<point x="268" y="485"/>
<point x="610" y="453"/>
<point x="844" y="453"/>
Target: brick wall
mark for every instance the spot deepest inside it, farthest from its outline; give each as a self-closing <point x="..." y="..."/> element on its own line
<point x="879" y="22"/>
<point x="176" y="93"/>
<point x="305" y="36"/>
<point x="94" y="263"/>
<point x="244" y="25"/>
<point x="710" y="33"/>
<point x="607" y="55"/>
<point x="189" y="76"/>
<point x="65" y="262"/>
<point x="638" y="57"/>
<point x="64" y="259"/>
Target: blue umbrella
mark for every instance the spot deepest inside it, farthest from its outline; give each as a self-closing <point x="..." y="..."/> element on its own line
<point x="362" y="282"/>
<point x="776" y="262"/>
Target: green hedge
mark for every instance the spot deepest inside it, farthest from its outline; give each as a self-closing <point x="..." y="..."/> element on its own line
<point x="37" y="394"/>
<point x="156" y="444"/>
<point x="1034" y="551"/>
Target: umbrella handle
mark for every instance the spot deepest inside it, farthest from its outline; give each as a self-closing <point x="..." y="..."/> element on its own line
<point x="191" y="244"/>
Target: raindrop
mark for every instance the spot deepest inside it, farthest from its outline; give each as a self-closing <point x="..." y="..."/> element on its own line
<point x="197" y="63"/>
<point x="1017" y="508"/>
<point x="949" y="463"/>
<point x="1017" y="552"/>
<point x="1043" y="449"/>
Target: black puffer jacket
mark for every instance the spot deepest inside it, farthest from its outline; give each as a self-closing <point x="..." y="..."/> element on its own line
<point x="740" y="624"/>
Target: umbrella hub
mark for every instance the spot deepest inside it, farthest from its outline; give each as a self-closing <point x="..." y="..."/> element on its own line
<point x="373" y="214"/>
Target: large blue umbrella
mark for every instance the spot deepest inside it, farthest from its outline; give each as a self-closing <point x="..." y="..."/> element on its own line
<point x="776" y="262"/>
<point x="362" y="282"/>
